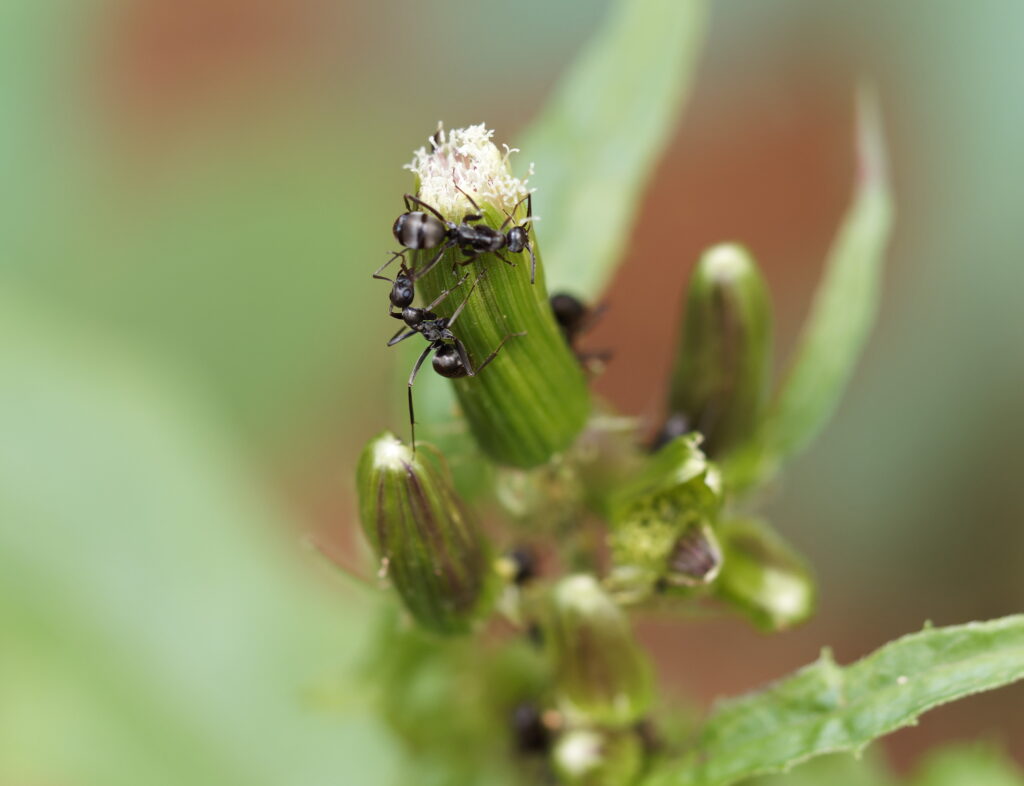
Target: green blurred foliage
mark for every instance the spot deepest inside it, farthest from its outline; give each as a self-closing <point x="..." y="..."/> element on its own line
<point x="157" y="626"/>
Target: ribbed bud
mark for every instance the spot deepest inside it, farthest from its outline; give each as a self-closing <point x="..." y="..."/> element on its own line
<point x="763" y="577"/>
<point x="428" y="545"/>
<point x="531" y="401"/>
<point x="600" y="672"/>
<point x="588" y="757"/>
<point x="661" y="523"/>
<point x="723" y="361"/>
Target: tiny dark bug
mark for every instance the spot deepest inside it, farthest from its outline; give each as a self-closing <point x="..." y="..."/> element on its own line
<point x="531" y="735"/>
<point x="575" y="318"/>
<point x="525" y="561"/>
<point x="450" y="356"/>
<point x="675" y="425"/>
<point x="427" y="228"/>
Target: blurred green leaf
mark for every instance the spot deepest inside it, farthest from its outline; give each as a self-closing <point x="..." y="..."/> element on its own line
<point x="968" y="765"/>
<point x="837" y="770"/>
<point x="825" y="708"/>
<point x="841" y="316"/>
<point x="156" y="625"/>
<point x="596" y="142"/>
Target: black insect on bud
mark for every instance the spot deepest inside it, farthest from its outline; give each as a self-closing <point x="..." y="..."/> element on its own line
<point x="696" y="557"/>
<point x="428" y="545"/>
<point x="528" y="729"/>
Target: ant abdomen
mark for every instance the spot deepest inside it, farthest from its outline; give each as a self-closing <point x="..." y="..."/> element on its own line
<point x="447" y="362"/>
<point x="417" y="230"/>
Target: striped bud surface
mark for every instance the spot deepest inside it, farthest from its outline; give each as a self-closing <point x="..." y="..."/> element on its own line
<point x="601" y="674"/>
<point x="723" y="360"/>
<point x="428" y="545"/>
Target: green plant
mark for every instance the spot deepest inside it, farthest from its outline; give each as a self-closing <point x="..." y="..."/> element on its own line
<point x="675" y="528"/>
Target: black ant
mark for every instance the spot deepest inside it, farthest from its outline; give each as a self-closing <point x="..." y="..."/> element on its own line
<point x="416" y="229"/>
<point x="450" y="356"/>
<point x="574" y="318"/>
<point x="403" y="290"/>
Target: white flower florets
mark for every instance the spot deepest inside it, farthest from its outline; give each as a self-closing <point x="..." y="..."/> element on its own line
<point x="467" y="158"/>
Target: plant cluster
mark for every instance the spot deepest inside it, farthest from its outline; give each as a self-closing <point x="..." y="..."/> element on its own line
<point x="534" y="521"/>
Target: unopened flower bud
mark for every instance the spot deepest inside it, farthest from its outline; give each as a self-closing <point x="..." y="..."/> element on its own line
<point x="531" y="400"/>
<point x="589" y="757"/>
<point x="428" y="545"/>
<point x="723" y="362"/>
<point x="763" y="576"/>
<point x="661" y="523"/>
<point x="600" y="672"/>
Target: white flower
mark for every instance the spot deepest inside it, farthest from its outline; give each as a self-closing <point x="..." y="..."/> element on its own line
<point x="468" y="159"/>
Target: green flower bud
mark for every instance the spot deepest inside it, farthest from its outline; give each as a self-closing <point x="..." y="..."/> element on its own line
<point x="531" y="401"/>
<point x="661" y="519"/>
<point x="428" y="545"/>
<point x="720" y="380"/>
<point x="587" y="757"/>
<point x="763" y="577"/>
<point x="600" y="672"/>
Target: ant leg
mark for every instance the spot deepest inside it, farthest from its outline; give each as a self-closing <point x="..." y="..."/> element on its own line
<point x="504" y="259"/>
<point x="497" y="349"/>
<point x="593" y="317"/>
<point x="399" y="337"/>
<point x="476" y="207"/>
<point x="410" y="200"/>
<point x="533" y="263"/>
<point x="464" y="357"/>
<point x="412" y="378"/>
<point x="515" y="207"/>
<point x="447" y="292"/>
<point x="418" y="274"/>
<point x="394" y="255"/>
<point x="462" y="305"/>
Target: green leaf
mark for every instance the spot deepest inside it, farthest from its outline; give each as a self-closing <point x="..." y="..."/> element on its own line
<point x="825" y="708"/>
<point x="156" y="623"/>
<point x="598" y="139"/>
<point x="841" y="316"/>
<point x="839" y="769"/>
<point x="968" y="765"/>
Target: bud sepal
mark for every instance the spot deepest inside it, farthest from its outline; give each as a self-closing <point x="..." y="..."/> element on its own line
<point x="763" y="577"/>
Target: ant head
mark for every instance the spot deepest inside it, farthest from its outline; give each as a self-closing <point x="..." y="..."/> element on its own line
<point x="403" y="292"/>
<point x="518" y="237"/>
<point x="447" y="362"/>
<point x="568" y="309"/>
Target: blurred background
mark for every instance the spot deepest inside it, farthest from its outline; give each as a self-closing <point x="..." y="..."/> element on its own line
<point x="194" y="195"/>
